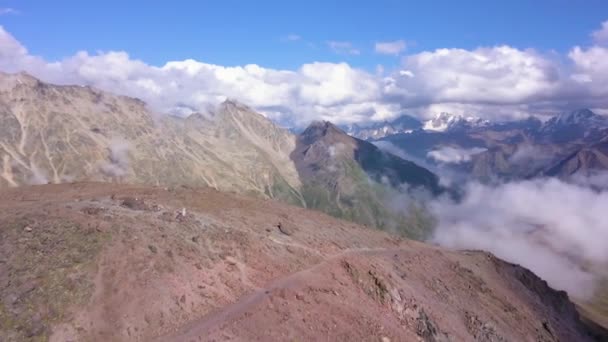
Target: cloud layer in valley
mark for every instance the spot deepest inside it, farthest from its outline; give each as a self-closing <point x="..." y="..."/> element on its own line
<point x="492" y="82"/>
<point x="454" y="155"/>
<point x="554" y="228"/>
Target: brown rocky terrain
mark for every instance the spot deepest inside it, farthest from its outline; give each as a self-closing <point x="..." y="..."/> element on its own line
<point x="583" y="162"/>
<point x="109" y="262"/>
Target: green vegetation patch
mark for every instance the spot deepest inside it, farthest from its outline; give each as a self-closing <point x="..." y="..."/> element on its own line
<point x="359" y="199"/>
<point x="45" y="268"/>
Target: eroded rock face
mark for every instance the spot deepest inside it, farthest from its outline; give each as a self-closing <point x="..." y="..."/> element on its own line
<point x="222" y="271"/>
<point x="59" y="134"/>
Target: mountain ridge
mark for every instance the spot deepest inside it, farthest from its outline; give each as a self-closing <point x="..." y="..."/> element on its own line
<point x="519" y="149"/>
<point x="353" y="179"/>
<point x="61" y="134"/>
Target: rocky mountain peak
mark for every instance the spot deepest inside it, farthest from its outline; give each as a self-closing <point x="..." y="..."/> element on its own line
<point x="577" y="116"/>
<point x="238" y="113"/>
<point x="581" y="117"/>
<point x="579" y="124"/>
<point x="230" y="103"/>
<point x="10" y="81"/>
<point x="322" y="130"/>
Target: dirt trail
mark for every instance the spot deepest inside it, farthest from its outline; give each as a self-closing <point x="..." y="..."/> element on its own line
<point x="196" y="329"/>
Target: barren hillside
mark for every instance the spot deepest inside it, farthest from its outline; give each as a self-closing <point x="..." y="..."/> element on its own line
<point x="103" y="262"/>
<point x="56" y="134"/>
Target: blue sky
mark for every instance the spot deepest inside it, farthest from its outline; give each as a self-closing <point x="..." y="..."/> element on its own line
<point x="240" y="32"/>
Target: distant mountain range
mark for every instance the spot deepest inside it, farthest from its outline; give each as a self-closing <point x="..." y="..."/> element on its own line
<point x="377" y="130"/>
<point x="57" y="134"/>
<point x="565" y="145"/>
<point x="443" y="122"/>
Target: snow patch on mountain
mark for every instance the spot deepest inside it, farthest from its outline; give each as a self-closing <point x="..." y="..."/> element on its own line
<point x="376" y="130"/>
<point x="583" y="118"/>
<point x="445" y="121"/>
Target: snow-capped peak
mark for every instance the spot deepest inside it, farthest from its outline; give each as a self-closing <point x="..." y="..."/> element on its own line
<point x="377" y="130"/>
<point x="575" y="117"/>
<point x="446" y="121"/>
<point x="582" y="117"/>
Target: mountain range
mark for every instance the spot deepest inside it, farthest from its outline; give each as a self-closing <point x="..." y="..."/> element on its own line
<point x="56" y="134"/>
<point x="565" y="145"/>
<point x="377" y="130"/>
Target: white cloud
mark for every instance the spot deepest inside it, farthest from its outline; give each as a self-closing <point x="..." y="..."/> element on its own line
<point x="595" y="180"/>
<point x="390" y="48"/>
<point x="454" y="155"/>
<point x="343" y="48"/>
<point x="591" y="69"/>
<point x="489" y="82"/>
<point x="8" y="10"/>
<point x="496" y="75"/>
<point x="601" y="36"/>
<point x="561" y="237"/>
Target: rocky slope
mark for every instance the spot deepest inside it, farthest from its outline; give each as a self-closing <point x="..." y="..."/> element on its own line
<point x="353" y="179"/>
<point x="56" y="134"/>
<point x="584" y="162"/>
<point x="110" y="262"/>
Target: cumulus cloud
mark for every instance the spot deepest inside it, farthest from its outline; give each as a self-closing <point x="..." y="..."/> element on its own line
<point x="454" y="155"/>
<point x="499" y="82"/>
<point x="390" y="48"/>
<point x="591" y="70"/>
<point x="601" y="36"/>
<point x="497" y="75"/>
<point x="554" y="228"/>
<point x="344" y="48"/>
